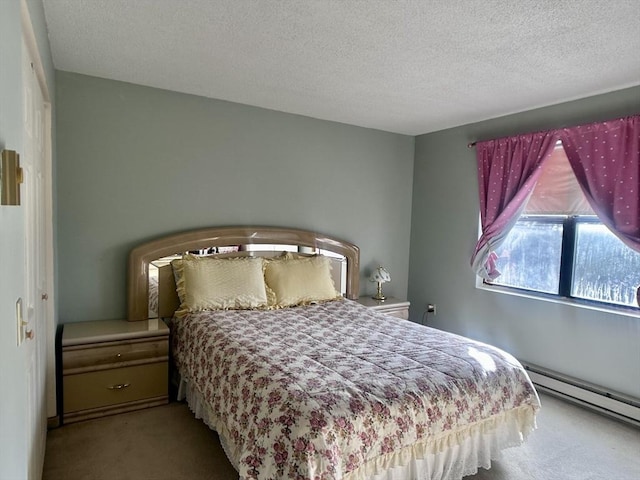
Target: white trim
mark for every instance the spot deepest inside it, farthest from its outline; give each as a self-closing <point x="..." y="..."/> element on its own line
<point x="52" y="409"/>
<point x="32" y="45"/>
<point x="562" y="300"/>
<point x="618" y="405"/>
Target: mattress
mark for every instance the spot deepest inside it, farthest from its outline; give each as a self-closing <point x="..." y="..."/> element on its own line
<point x="340" y="391"/>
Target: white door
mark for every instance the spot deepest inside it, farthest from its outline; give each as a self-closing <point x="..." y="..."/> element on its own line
<point x="34" y="332"/>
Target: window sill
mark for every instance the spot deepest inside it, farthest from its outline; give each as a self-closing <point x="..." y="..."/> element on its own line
<point x="565" y="301"/>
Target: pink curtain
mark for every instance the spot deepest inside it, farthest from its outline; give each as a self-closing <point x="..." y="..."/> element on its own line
<point x="605" y="158"/>
<point x="507" y="172"/>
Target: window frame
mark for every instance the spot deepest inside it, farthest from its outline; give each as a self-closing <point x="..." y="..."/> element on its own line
<point x="567" y="259"/>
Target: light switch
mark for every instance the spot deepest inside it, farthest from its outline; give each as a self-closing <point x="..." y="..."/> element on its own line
<point x="21" y="322"/>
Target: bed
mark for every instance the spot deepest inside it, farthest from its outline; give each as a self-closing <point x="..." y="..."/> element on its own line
<point x="322" y="388"/>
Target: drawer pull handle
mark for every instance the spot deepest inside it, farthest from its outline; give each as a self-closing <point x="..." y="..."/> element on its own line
<point x="120" y="386"/>
<point x="118" y="355"/>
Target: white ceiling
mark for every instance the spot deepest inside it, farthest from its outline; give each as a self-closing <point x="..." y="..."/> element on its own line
<point x="411" y="67"/>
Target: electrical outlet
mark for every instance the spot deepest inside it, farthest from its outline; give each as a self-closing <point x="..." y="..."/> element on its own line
<point x="431" y="308"/>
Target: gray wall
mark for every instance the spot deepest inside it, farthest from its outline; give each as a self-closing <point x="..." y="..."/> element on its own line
<point x="591" y="345"/>
<point x="14" y="438"/>
<point x="13" y="415"/>
<point x="135" y="163"/>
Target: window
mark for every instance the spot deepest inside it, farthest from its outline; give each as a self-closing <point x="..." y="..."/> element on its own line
<point x="558" y="247"/>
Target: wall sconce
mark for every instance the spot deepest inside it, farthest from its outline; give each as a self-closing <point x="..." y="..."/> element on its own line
<point x="10" y="178"/>
<point x="381" y="276"/>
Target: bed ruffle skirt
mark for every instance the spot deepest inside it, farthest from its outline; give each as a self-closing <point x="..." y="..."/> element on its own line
<point x="449" y="456"/>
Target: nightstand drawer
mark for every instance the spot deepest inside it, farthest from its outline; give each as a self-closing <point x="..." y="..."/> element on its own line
<point x="389" y="306"/>
<point x="79" y="358"/>
<point x="398" y="312"/>
<point x="118" y="385"/>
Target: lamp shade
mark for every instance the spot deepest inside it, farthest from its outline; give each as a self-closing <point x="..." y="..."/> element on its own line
<point x="380" y="275"/>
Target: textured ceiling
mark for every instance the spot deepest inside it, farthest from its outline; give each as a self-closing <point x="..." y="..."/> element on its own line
<point x="410" y="67"/>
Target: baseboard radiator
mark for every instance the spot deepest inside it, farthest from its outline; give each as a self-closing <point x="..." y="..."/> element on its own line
<point x="618" y="405"/>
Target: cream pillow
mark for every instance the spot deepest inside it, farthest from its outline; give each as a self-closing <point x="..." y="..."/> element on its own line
<point x="207" y="283"/>
<point x="297" y="281"/>
<point x="176" y="266"/>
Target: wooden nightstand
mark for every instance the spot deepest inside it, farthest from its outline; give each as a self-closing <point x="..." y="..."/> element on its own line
<point x="113" y="366"/>
<point x="390" y="306"/>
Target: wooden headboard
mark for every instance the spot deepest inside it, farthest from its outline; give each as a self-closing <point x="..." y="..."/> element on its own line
<point x="141" y="257"/>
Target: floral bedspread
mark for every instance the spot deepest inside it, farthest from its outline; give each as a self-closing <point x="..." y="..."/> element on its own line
<point x="337" y="390"/>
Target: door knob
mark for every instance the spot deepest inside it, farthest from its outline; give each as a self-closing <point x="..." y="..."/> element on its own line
<point x="45" y="296"/>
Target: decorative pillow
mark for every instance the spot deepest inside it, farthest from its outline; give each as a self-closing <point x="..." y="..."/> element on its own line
<point x="297" y="281"/>
<point x="206" y="283"/>
<point x="176" y="266"/>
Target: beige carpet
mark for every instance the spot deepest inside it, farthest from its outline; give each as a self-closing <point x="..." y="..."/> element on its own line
<point x="168" y="443"/>
<point x="157" y="443"/>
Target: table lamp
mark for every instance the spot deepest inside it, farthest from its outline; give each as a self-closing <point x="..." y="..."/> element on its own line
<point x="380" y="275"/>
